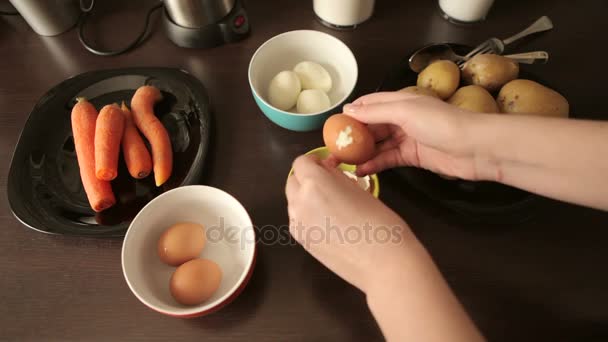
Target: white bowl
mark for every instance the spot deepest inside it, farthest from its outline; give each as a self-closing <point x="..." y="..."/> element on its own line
<point x="230" y="243"/>
<point x="283" y="52"/>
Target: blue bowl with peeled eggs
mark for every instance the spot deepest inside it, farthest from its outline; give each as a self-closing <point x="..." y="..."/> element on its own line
<point x="282" y="53"/>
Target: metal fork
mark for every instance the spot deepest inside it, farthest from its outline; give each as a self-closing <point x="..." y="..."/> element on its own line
<point x="497" y="46"/>
<point x="532" y="57"/>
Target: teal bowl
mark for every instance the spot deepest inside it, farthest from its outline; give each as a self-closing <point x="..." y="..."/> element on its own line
<point x="283" y="52"/>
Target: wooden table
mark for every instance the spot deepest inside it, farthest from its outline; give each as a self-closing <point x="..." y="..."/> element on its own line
<point x="542" y="280"/>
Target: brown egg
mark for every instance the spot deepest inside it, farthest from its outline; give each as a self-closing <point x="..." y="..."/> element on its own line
<point x="348" y="139"/>
<point x="195" y="281"/>
<point x="181" y="242"/>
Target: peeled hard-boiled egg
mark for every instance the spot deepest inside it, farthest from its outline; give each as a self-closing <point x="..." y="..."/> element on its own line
<point x="348" y="139"/>
<point x="195" y="281"/>
<point x="313" y="76"/>
<point x="284" y="89"/>
<point x="181" y="242"/>
<point x="312" y="101"/>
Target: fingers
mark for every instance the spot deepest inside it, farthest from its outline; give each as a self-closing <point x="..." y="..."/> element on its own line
<point x="379" y="113"/>
<point x="383" y="97"/>
<point x="380" y="132"/>
<point x="387" y="145"/>
<point x="393" y="108"/>
<point x="384" y="160"/>
<point x="331" y="162"/>
<point x="306" y="166"/>
<point x="291" y="187"/>
<point x="309" y="172"/>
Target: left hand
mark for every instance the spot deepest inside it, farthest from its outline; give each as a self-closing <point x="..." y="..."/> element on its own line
<point x="343" y="226"/>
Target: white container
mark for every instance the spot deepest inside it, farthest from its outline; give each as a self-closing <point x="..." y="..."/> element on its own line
<point x="465" y="11"/>
<point x="343" y="14"/>
<point x="230" y="243"/>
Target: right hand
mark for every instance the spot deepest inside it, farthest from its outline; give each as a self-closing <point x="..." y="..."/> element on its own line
<point x="419" y="131"/>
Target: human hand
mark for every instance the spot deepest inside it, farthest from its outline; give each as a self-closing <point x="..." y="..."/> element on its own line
<point x="344" y="227"/>
<point x="361" y="240"/>
<point x="420" y="131"/>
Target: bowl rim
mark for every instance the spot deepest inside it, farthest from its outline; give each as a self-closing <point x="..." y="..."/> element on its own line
<point x="338" y="103"/>
<point x="229" y="296"/>
<point x="374" y="176"/>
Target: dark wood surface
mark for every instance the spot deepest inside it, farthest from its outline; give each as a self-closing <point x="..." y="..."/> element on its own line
<point x="542" y="280"/>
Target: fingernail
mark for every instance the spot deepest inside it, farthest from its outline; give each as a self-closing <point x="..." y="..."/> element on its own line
<point x="352" y="108"/>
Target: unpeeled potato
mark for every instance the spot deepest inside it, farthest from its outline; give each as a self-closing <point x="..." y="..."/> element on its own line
<point x="490" y="71"/>
<point x="475" y="99"/>
<point x="441" y="76"/>
<point x="420" y="91"/>
<point x="528" y="97"/>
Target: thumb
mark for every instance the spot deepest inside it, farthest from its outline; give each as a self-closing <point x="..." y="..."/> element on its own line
<point x="378" y="113"/>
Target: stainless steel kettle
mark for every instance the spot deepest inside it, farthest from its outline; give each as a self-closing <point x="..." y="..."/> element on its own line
<point x="205" y="23"/>
<point x="198" y="13"/>
<point x="48" y="17"/>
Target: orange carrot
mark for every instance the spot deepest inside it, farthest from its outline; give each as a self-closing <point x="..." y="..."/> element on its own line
<point x="142" y="105"/>
<point x="134" y="150"/>
<point x="84" y="118"/>
<point x="108" y="134"/>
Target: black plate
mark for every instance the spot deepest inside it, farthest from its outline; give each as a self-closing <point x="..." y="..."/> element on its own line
<point x="44" y="188"/>
<point x="484" y="202"/>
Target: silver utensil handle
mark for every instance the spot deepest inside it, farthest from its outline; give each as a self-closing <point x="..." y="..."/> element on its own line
<point x="533" y="57"/>
<point x="541" y="25"/>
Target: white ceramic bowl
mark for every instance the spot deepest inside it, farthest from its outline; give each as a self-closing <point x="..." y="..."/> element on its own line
<point x="283" y="52"/>
<point x="230" y="243"/>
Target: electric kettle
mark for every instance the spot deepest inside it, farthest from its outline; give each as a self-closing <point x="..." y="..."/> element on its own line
<point x="188" y="23"/>
<point x="205" y="23"/>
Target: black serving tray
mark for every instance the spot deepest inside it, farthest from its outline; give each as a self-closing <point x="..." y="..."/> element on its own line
<point x="44" y="188"/>
<point x="480" y="202"/>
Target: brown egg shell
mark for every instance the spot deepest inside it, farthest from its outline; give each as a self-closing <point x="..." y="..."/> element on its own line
<point x="195" y="281"/>
<point x="181" y="242"/>
<point x="362" y="147"/>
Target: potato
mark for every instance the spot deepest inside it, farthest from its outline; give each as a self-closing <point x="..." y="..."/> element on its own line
<point x="441" y="76"/>
<point x="529" y="97"/>
<point x="420" y="91"/>
<point x="490" y="71"/>
<point x="475" y="99"/>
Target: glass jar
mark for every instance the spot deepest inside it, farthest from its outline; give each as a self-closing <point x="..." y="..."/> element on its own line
<point x="343" y="14"/>
<point x="465" y="11"/>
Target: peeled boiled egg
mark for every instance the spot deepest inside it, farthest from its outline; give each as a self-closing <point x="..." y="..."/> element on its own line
<point x="195" y="281"/>
<point x="313" y="76"/>
<point x="348" y="139"/>
<point x="181" y="242"/>
<point x="284" y="89"/>
<point x="312" y="101"/>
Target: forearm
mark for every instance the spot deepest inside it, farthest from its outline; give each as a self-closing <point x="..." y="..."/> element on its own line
<point x="557" y="158"/>
<point x="414" y="303"/>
